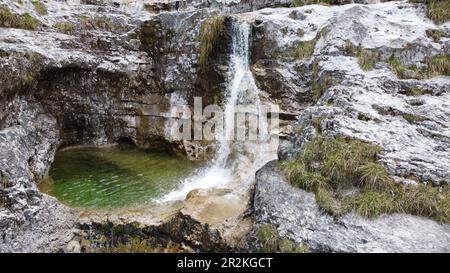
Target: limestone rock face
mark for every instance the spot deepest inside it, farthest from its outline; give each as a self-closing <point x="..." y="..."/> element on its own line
<point x="99" y="71"/>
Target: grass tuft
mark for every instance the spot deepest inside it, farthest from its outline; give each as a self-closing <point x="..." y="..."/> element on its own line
<point x="413" y="119"/>
<point x="304" y="49"/>
<point x="330" y="167"/>
<point x="210" y="33"/>
<point x="436" y="34"/>
<point x="65" y="27"/>
<point x="268" y="236"/>
<point x="13" y="20"/>
<point x="367" y="59"/>
<point x="39" y="7"/>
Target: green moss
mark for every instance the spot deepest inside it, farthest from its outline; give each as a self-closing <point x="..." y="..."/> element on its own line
<point x="65" y="27"/>
<point x="13" y="20"/>
<point x="268" y="236"/>
<point x="413" y="119"/>
<point x="210" y="33"/>
<point x="367" y="58"/>
<point x="436" y="34"/>
<point x="39" y="6"/>
<point x="304" y="49"/>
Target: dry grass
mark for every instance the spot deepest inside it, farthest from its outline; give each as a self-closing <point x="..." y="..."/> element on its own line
<point x="210" y="33"/>
<point x="13" y="20"/>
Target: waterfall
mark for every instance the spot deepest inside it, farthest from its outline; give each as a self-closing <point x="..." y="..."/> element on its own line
<point x="241" y="91"/>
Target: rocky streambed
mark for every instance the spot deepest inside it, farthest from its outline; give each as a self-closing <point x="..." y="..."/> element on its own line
<point x="101" y="72"/>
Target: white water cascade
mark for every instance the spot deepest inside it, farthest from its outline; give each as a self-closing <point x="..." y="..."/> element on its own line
<point x="236" y="161"/>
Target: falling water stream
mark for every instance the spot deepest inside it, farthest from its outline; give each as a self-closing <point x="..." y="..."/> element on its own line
<point x="236" y="160"/>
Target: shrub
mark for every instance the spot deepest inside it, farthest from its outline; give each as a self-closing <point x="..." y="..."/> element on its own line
<point x="13" y="20"/>
<point x="210" y="33"/>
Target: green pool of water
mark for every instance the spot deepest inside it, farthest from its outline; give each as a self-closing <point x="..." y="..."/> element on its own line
<point x="113" y="177"/>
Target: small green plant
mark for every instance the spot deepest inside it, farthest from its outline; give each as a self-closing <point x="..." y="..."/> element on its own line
<point x="65" y="27"/>
<point x="398" y="67"/>
<point x="211" y="30"/>
<point x="268" y="236"/>
<point x="13" y="20"/>
<point x="367" y="58"/>
<point x="39" y="6"/>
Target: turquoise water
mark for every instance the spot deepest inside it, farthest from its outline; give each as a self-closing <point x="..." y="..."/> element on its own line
<point x="113" y="177"/>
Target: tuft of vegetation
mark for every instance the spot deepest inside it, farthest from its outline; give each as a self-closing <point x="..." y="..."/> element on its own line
<point x="304" y="49"/>
<point x="318" y="86"/>
<point x="268" y="236"/>
<point x="211" y="30"/>
<point x="289" y="246"/>
<point x="12" y="20"/>
<point x="39" y="7"/>
<point x="299" y="3"/>
<point x="437" y="10"/>
<point x="65" y="27"/>
<point x="414" y="92"/>
<point x="363" y="117"/>
<point x="436" y="34"/>
<point x="374" y="176"/>
<point x="331" y="167"/>
<point x="367" y="58"/>
<point x="439" y="65"/>
<point x="413" y="119"/>
<point x="4" y="54"/>
<point x="349" y="48"/>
